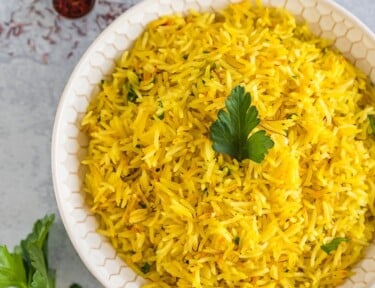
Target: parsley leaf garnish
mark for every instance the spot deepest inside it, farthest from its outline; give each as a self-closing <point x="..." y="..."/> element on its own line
<point x="329" y="247"/>
<point x="371" y="118"/>
<point x="12" y="272"/>
<point x="27" y="267"/>
<point x="230" y="132"/>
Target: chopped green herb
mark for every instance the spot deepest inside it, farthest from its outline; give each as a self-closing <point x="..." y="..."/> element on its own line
<point x="146" y="268"/>
<point x="142" y="204"/>
<point x="160" y="112"/>
<point x="371" y="118"/>
<point x="131" y="95"/>
<point x="329" y="247"/>
<point x="236" y="240"/>
<point x="230" y="132"/>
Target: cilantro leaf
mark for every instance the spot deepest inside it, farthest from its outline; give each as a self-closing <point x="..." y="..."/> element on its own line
<point x="230" y="132"/>
<point x="12" y="271"/>
<point x="372" y="123"/>
<point x="329" y="247"/>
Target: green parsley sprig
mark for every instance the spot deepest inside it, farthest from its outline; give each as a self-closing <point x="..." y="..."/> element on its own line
<point x="230" y="132"/>
<point x="27" y="266"/>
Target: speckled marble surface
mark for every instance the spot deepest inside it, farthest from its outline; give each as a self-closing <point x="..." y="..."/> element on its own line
<point x="38" y="51"/>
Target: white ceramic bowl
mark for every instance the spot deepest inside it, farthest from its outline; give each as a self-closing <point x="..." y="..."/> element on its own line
<point x="324" y="17"/>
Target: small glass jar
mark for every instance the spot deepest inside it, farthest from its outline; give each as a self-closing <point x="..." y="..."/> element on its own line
<point x="73" y="8"/>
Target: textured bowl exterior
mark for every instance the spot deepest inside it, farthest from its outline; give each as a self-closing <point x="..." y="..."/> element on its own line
<point x="324" y="17"/>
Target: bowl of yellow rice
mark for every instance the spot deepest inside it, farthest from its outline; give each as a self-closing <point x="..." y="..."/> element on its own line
<point x="149" y="195"/>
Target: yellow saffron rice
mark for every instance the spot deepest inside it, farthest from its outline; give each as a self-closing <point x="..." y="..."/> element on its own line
<point x="181" y="214"/>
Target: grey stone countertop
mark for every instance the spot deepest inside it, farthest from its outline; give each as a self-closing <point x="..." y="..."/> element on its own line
<point x="38" y="51"/>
